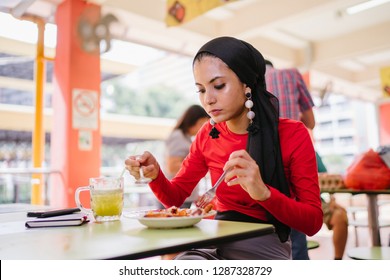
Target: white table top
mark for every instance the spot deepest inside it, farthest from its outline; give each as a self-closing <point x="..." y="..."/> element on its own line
<point x="369" y="253"/>
<point x="124" y="239"/>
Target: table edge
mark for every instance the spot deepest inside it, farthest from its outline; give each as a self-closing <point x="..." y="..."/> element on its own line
<point x="197" y="244"/>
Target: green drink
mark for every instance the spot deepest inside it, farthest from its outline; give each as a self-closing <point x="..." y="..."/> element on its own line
<point x="106" y="198"/>
<point x="107" y="202"/>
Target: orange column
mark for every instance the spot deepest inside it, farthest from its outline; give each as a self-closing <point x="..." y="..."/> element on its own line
<point x="384" y="123"/>
<point x="75" y="138"/>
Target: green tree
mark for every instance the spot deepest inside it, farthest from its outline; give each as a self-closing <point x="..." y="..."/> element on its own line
<point x="157" y="101"/>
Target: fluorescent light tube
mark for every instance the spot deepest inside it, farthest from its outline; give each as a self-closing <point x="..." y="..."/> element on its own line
<point x="364" y="6"/>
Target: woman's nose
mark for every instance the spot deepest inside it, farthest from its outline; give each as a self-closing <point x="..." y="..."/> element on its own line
<point x="210" y="98"/>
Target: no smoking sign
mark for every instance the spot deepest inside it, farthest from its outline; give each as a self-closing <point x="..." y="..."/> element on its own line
<point x="85" y="110"/>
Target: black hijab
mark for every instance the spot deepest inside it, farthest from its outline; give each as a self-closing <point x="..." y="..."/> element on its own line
<point x="263" y="137"/>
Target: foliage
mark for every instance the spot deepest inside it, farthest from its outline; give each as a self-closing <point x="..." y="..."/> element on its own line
<point x="335" y="163"/>
<point x="157" y="101"/>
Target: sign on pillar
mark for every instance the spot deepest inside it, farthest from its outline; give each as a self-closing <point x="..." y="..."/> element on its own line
<point x="85" y="113"/>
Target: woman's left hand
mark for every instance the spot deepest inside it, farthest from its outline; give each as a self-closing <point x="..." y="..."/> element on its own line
<point x="245" y="172"/>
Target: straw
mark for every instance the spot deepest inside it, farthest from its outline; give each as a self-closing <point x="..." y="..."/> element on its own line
<point x="124" y="168"/>
<point x="120" y="176"/>
<point x="123" y="172"/>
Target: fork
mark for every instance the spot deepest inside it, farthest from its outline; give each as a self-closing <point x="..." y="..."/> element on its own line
<point x="208" y="196"/>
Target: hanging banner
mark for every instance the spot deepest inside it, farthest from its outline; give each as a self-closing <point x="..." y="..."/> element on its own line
<point x="180" y="11"/>
<point x="385" y="81"/>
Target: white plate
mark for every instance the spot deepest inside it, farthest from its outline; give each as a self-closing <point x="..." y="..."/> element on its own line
<point x="168" y="222"/>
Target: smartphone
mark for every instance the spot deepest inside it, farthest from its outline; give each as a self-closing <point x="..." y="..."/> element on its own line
<point x="52" y="213"/>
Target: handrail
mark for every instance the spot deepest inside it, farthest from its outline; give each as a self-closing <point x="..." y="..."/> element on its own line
<point x="23" y="172"/>
<point x="28" y="171"/>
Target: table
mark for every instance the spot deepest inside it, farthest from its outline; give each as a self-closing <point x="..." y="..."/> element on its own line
<point x="369" y="253"/>
<point x="373" y="212"/>
<point x="20" y="207"/>
<point x="124" y="239"/>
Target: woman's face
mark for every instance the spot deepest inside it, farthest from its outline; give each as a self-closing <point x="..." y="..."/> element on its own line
<point x="221" y="93"/>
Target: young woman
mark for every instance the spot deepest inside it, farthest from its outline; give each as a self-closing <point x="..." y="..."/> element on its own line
<point x="272" y="175"/>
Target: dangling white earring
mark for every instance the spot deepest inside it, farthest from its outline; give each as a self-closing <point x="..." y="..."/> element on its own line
<point x="214" y="133"/>
<point x="249" y="104"/>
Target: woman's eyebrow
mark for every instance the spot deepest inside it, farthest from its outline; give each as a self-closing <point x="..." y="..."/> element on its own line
<point x="211" y="81"/>
<point x="215" y="78"/>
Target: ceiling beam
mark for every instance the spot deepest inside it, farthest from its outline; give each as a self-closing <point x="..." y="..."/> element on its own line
<point x="261" y="13"/>
<point x="22" y="84"/>
<point x="121" y="126"/>
<point x="375" y="38"/>
<point x="14" y="47"/>
<point x="270" y="48"/>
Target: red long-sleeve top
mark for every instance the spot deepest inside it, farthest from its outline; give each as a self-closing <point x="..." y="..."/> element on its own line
<point x="301" y="211"/>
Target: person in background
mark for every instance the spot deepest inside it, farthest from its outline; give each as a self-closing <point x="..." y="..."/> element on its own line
<point x="177" y="145"/>
<point x="295" y="103"/>
<point x="271" y="171"/>
<point x="335" y="218"/>
<point x="295" y="100"/>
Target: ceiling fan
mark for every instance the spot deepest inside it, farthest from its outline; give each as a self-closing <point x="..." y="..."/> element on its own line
<point x="94" y="34"/>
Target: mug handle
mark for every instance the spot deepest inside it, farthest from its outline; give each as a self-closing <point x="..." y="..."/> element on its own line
<point x="77" y="199"/>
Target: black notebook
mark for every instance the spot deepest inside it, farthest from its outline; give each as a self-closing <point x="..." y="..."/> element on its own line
<point x="75" y="219"/>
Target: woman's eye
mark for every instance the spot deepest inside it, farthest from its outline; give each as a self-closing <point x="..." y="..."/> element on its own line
<point x="219" y="86"/>
<point x="200" y="90"/>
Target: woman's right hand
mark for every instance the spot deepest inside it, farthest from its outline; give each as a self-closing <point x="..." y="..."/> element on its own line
<point x="146" y="161"/>
<point x="244" y="171"/>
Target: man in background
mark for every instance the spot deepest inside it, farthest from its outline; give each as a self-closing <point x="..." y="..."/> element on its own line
<point x="288" y="86"/>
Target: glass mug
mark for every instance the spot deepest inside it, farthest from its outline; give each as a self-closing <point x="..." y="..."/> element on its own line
<point x="106" y="196"/>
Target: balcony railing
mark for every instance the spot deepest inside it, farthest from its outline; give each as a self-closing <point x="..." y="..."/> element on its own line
<point x="15" y="184"/>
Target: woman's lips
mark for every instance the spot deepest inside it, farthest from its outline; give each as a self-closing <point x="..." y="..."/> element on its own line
<point x="215" y="112"/>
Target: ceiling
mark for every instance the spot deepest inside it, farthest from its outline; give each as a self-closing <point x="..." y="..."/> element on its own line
<point x="344" y="53"/>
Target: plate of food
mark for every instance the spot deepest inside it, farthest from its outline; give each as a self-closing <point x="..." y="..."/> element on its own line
<point x="172" y="217"/>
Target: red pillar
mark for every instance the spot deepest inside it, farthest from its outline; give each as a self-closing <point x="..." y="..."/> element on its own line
<point x="75" y="138"/>
<point x="384" y="123"/>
